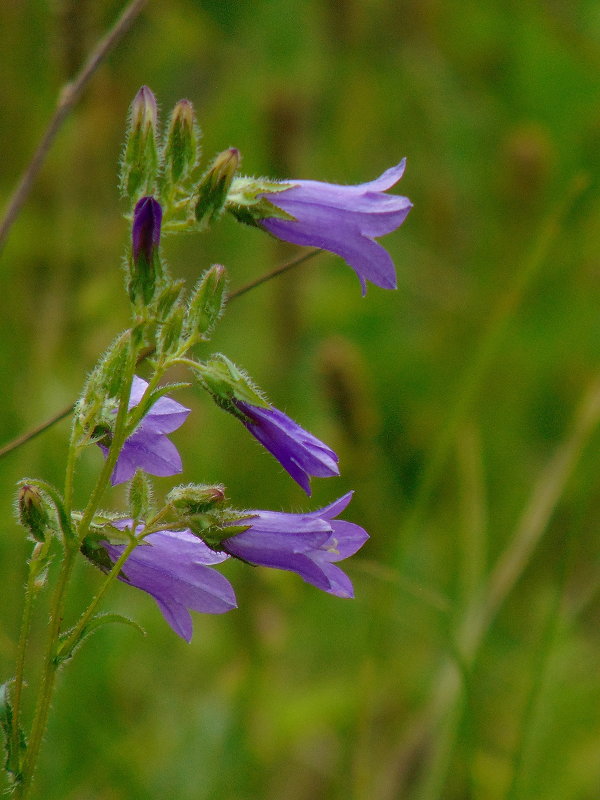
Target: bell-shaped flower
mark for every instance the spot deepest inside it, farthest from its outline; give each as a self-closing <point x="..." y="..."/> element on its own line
<point x="297" y="450"/>
<point x="174" y="567"/>
<point x="308" y="544"/>
<point x="343" y="219"/>
<point x="148" y="447"/>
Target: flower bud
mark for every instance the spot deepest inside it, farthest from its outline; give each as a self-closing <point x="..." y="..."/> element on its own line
<point x="139" y="495"/>
<point x="169" y="299"/>
<point x="140" y="163"/>
<point x="145" y="267"/>
<point x="33" y="515"/>
<point x="182" y="144"/>
<point x="207" y="302"/>
<point x="196" y="498"/>
<point x="211" y="193"/>
<point x="169" y="338"/>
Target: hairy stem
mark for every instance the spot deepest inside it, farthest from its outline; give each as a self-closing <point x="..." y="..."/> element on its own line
<point x="48" y="676"/>
<point x="110" y="578"/>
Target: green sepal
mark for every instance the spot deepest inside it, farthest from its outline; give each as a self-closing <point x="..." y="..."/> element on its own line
<point x="207" y="302"/>
<point x="145" y="279"/>
<point x="66" y="648"/>
<point x="247" y="207"/>
<point x="140" y="496"/>
<point x="13" y="761"/>
<point x="226" y="383"/>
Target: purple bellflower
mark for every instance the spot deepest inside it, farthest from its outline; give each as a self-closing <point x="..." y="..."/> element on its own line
<point x="173" y="567"/>
<point x="148" y="447"/>
<point x="344" y="220"/>
<point x="307" y="544"/>
<point x="297" y="450"/>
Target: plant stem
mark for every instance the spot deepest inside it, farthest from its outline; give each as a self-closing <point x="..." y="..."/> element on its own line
<point x="21" y="650"/>
<point x="48" y="676"/>
<point x="113" y="453"/>
<point x="274" y="273"/>
<point x="110" y="578"/>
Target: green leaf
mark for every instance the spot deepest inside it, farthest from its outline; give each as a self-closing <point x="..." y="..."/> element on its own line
<point x="66" y="647"/>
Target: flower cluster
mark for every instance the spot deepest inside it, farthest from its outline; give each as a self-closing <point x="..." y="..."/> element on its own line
<point x="172" y="554"/>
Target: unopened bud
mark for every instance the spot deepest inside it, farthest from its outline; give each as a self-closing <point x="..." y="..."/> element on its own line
<point x="145" y="266"/>
<point x="140" y="495"/>
<point x="211" y="193"/>
<point x="144" y="114"/>
<point x="32" y="512"/>
<point x="140" y="163"/>
<point x="168" y="299"/>
<point x="207" y="302"/>
<point x="181" y="146"/>
<point x="169" y="338"/>
<point x="196" y="498"/>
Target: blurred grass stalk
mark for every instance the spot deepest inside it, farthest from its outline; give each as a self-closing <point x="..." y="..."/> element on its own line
<point x="489" y="343"/>
<point x="483" y="600"/>
<point x="483" y="608"/>
<point x="68" y="96"/>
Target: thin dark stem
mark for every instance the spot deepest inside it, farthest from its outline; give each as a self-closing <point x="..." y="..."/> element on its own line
<point x="67" y="98"/>
<point x="26" y="437"/>
<point x="274" y="273"/>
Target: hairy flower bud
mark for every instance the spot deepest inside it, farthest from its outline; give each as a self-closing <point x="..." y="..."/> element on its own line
<point x="181" y="150"/>
<point x="211" y="193"/>
<point x="196" y="498"/>
<point x="140" y="162"/>
<point x="33" y="514"/>
<point x="145" y="268"/>
<point x="207" y="302"/>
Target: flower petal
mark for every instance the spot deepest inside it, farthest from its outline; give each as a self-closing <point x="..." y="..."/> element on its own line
<point x="299" y="452"/>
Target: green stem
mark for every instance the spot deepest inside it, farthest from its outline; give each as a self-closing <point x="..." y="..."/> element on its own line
<point x="22" y="648"/>
<point x="119" y="436"/>
<point x="70" y="468"/>
<point x="110" y="578"/>
<point x="48" y="676"/>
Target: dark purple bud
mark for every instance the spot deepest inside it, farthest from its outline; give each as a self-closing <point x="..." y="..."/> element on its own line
<point x="145" y="269"/>
<point x="145" y="235"/>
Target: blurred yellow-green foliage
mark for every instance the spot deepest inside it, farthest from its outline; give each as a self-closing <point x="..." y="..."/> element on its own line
<point x="468" y="666"/>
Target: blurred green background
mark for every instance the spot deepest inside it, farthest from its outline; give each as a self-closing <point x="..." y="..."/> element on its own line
<point x="464" y="406"/>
